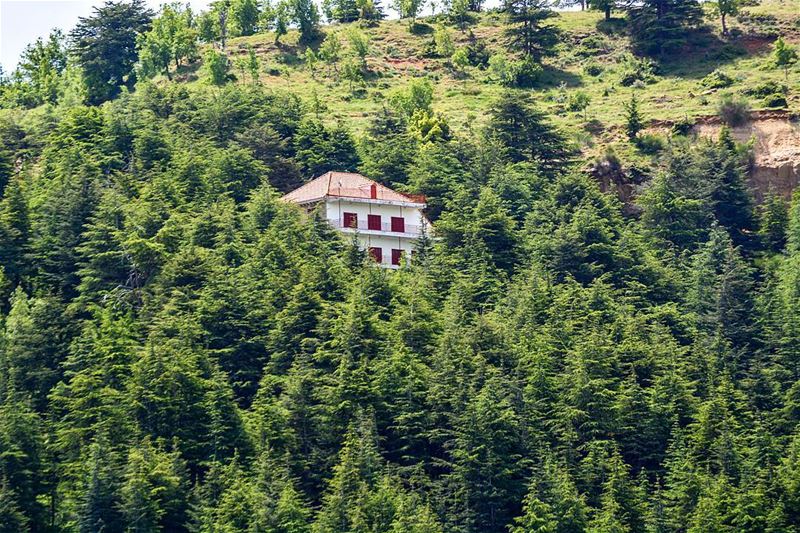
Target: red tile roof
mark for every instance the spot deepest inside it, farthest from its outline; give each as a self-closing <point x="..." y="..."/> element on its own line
<point x="347" y="185"/>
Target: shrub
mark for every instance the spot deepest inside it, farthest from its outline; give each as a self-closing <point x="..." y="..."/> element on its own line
<point x="578" y="101"/>
<point x="717" y="80"/>
<point x="682" y="127"/>
<point x="477" y="52"/>
<point x="590" y="45"/>
<point x="520" y="73"/>
<point x="730" y="51"/>
<point x="216" y="66"/>
<point x="525" y="72"/>
<point x="498" y="68"/>
<point x="593" y="69"/>
<point x="766" y="88"/>
<point x="634" y="69"/>
<point x="733" y="111"/>
<point x="649" y="143"/>
<point x="443" y="42"/>
<point x="776" y="101"/>
<point x="460" y="60"/>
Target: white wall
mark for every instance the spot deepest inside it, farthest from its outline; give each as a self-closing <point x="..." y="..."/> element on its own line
<point x="336" y="207"/>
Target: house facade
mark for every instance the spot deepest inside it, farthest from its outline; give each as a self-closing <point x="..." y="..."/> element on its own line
<point x="386" y="222"/>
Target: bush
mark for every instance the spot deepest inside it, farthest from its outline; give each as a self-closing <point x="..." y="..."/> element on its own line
<point x="443" y="42"/>
<point x="776" y="101"/>
<point x="578" y="101"/>
<point x="717" y="80"/>
<point x="733" y="111"/>
<point x="460" y="60"/>
<point x="729" y="52"/>
<point x="634" y="69"/>
<point x="767" y="88"/>
<point x="593" y="69"/>
<point x="519" y="73"/>
<point x="590" y="45"/>
<point x="682" y="127"/>
<point x="498" y="68"/>
<point x="525" y="72"/>
<point x="649" y="144"/>
<point x="477" y="52"/>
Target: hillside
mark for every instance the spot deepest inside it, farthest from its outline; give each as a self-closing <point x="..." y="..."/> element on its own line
<point x="504" y="317"/>
<point x="594" y="59"/>
<point x="674" y="91"/>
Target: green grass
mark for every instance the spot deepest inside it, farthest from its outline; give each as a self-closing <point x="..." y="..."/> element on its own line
<point x="396" y="55"/>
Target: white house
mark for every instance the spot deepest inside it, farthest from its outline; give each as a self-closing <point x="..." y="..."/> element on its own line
<point x="387" y="222"/>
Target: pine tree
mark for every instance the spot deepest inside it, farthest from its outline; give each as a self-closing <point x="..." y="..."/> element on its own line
<point x="355" y="475"/>
<point x="661" y="27"/>
<point x="529" y="33"/>
<point x="154" y="492"/>
<point x="773" y="220"/>
<point x="526" y="134"/>
<point x="23" y="476"/>
<point x="488" y="453"/>
<point x="720" y="293"/>
<point x="99" y="505"/>
<point x="14" y="230"/>
<point x="12" y="520"/>
<point x="105" y="47"/>
<point x="37" y="336"/>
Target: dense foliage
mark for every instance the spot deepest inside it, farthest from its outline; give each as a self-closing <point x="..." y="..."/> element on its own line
<point x="180" y="350"/>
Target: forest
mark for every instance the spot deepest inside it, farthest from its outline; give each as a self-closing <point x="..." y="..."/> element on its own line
<point x="182" y="351"/>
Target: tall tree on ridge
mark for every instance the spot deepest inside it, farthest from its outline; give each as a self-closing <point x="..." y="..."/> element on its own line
<point x="528" y="32"/>
<point x="105" y="46"/>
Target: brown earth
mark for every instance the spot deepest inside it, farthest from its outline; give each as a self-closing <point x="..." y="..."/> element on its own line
<point x="776" y="148"/>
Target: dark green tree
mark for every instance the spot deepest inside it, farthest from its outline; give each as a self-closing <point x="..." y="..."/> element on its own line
<point x="526" y="134"/>
<point x="662" y="27"/>
<point x="529" y="32"/>
<point x="104" y="45"/>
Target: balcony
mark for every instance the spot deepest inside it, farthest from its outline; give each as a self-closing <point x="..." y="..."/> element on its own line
<point x="363" y="226"/>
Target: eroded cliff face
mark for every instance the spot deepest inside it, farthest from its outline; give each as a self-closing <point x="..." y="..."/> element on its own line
<point x="776" y="147"/>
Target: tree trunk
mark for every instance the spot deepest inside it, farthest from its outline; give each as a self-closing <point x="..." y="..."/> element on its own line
<point x="608" y="11"/>
<point x="724" y="26"/>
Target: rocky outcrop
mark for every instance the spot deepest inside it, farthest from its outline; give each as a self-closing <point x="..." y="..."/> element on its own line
<point x="776" y="150"/>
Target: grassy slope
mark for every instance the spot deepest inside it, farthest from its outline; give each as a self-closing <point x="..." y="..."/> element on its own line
<point x="396" y="55"/>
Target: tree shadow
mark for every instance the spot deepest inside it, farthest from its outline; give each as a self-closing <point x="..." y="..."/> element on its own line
<point x="704" y="53"/>
<point x="612" y="26"/>
<point x="421" y="28"/>
<point x="554" y="77"/>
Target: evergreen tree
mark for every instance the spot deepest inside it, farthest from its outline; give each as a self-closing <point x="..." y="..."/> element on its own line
<point x="154" y="492"/>
<point x="526" y="134"/>
<point x="105" y="47"/>
<point x="661" y="26"/>
<point x="529" y="32"/>
<point x="14" y="231"/>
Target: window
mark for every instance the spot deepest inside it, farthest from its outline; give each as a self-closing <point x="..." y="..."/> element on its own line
<point x="350" y="220"/>
<point x="397" y="256"/>
<point x="376" y="254"/>
<point x="374" y="222"/>
<point x="399" y="224"/>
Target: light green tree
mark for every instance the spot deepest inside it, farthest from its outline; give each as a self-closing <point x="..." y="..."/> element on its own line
<point x="784" y="55"/>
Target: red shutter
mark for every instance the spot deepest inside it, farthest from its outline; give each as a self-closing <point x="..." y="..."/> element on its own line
<point x="373" y="191"/>
<point x="398" y="224"/>
<point x="397" y="256"/>
<point x="350" y="220"/>
<point x="376" y="254"/>
<point x="374" y="222"/>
